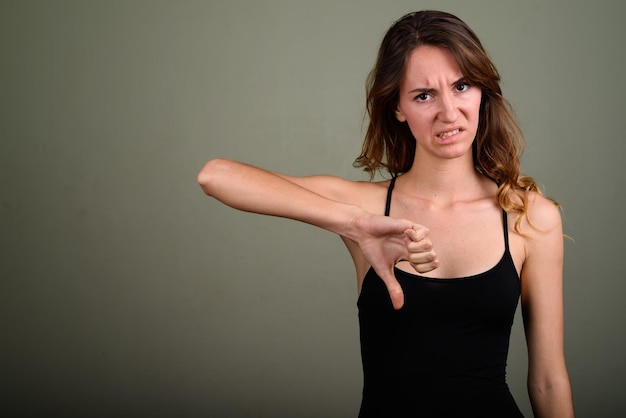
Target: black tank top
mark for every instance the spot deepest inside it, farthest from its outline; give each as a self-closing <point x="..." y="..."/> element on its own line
<point x="444" y="353"/>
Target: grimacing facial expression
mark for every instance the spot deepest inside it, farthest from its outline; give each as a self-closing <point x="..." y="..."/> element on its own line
<point x="438" y="103"/>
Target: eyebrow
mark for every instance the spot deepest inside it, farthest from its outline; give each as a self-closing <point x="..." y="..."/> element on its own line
<point x="427" y="90"/>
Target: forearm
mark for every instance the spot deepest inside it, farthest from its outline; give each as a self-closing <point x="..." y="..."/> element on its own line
<point x="256" y="190"/>
<point x="552" y="400"/>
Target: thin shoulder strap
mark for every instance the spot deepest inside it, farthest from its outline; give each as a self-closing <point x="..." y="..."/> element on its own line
<point x="389" y="191"/>
<point x="505" y="226"/>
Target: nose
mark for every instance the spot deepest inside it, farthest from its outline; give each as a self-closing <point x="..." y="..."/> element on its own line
<point x="448" y="110"/>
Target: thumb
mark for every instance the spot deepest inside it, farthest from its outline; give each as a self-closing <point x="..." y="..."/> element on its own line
<point x="416" y="233"/>
<point x="395" y="290"/>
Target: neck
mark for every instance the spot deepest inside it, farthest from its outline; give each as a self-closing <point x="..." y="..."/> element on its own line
<point x="445" y="181"/>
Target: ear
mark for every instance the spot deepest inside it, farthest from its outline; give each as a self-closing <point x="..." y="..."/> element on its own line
<point x="400" y="115"/>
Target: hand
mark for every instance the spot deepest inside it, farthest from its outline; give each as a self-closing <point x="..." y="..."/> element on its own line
<point x="421" y="255"/>
<point x="386" y="241"/>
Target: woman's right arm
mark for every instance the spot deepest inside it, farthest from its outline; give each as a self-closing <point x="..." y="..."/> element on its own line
<point x="382" y="240"/>
<point x="253" y="189"/>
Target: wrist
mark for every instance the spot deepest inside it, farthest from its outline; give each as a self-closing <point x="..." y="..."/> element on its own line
<point x="357" y="226"/>
<point x="349" y="225"/>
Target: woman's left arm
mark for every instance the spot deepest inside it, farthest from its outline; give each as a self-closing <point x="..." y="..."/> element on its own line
<point x="542" y="307"/>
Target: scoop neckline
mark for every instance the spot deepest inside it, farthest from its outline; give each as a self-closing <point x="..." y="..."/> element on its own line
<point x="454" y="279"/>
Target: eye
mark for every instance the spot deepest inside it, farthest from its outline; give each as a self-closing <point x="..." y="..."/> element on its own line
<point x="422" y="97"/>
<point x="462" y="86"/>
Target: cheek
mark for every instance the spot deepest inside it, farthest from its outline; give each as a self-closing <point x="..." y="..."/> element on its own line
<point x="421" y="128"/>
<point x="422" y="118"/>
<point x="478" y="103"/>
<point x="418" y="125"/>
<point x="473" y="108"/>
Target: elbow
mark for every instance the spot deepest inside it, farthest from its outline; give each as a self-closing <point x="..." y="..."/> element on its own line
<point x="210" y="174"/>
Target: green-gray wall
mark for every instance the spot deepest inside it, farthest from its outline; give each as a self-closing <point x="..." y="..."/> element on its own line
<point x="126" y="292"/>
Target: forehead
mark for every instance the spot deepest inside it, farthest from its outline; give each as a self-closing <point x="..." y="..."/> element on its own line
<point x="428" y="65"/>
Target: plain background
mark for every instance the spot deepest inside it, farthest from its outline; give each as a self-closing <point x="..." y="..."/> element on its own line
<point x="126" y="292"/>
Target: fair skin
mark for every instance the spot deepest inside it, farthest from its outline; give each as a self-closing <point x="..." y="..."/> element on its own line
<point x="444" y="192"/>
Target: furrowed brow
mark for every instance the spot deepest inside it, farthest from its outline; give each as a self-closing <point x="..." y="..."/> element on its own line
<point x="421" y="90"/>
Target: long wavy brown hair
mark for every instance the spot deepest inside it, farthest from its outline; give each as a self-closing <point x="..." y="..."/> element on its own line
<point x="390" y="146"/>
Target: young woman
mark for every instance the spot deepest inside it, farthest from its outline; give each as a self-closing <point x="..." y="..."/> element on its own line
<point x="444" y="250"/>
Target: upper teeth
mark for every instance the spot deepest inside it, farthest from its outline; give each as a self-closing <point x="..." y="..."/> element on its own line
<point x="449" y="133"/>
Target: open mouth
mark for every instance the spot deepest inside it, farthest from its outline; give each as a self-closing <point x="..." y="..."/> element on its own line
<point x="448" y="134"/>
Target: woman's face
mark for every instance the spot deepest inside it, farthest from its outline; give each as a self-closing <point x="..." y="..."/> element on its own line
<point x="438" y="104"/>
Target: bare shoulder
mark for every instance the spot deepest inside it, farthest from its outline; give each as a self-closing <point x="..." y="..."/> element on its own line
<point x="541" y="233"/>
<point x="544" y="214"/>
<point x="538" y="232"/>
